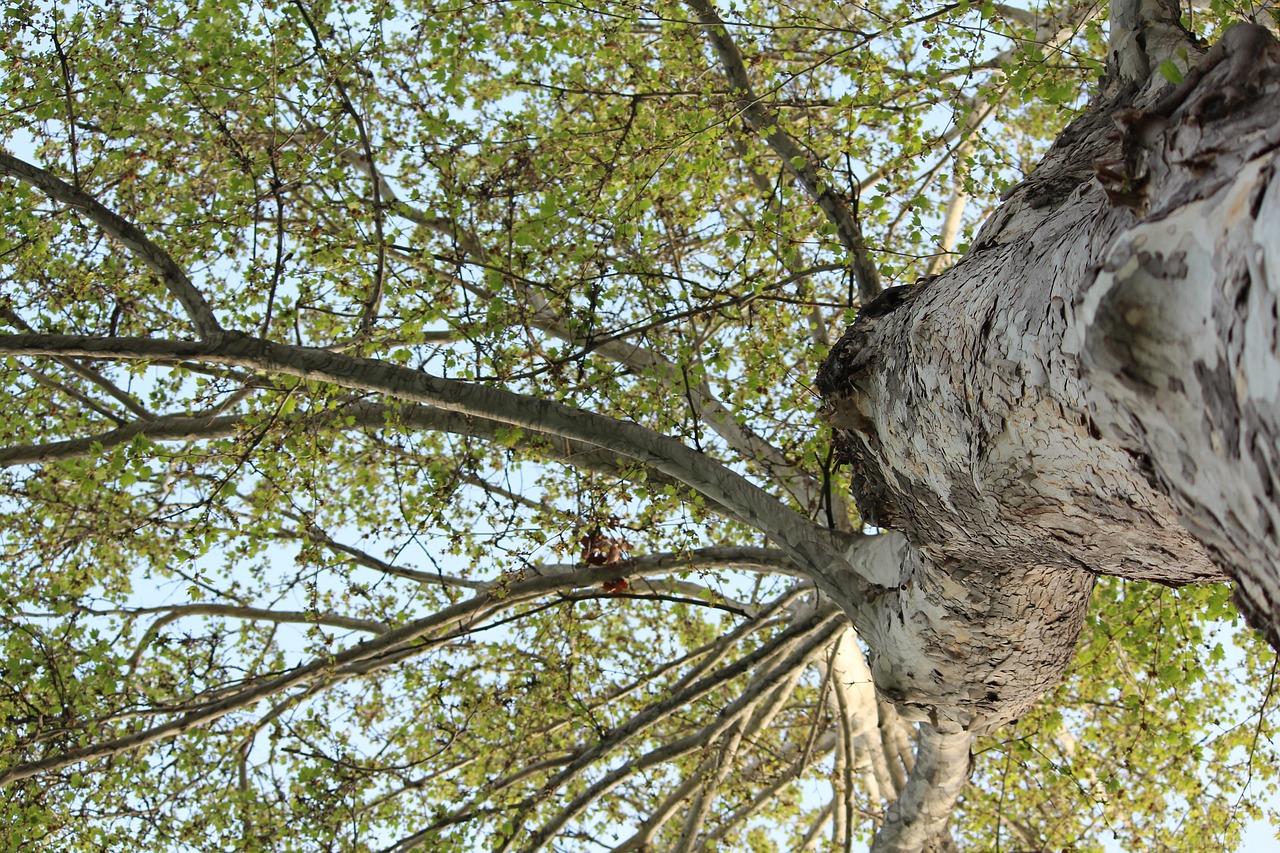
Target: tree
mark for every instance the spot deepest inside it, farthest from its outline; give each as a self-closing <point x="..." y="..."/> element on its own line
<point x="410" y="440"/>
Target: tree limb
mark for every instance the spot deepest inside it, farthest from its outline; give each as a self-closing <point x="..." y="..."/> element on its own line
<point x="921" y="811"/>
<point x="795" y="158"/>
<point x="157" y="259"/>
<point x="813" y="547"/>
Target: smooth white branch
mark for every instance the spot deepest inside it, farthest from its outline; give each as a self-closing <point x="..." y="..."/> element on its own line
<point x="818" y="550"/>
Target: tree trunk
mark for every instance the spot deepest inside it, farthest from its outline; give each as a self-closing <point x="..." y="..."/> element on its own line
<point x="1092" y="390"/>
<point x="1177" y="326"/>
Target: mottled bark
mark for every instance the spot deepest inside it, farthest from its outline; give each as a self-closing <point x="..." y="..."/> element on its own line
<point x="1092" y="390"/>
<point x="1178" y="329"/>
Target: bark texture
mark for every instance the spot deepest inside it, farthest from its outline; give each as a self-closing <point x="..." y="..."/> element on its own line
<point x="1179" y="337"/>
<point x="1092" y="390"/>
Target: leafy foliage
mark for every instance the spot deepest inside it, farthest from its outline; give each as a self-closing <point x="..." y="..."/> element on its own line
<point x="273" y="612"/>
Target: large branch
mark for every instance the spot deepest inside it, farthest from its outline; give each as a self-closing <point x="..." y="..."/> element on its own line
<point x="921" y="811"/>
<point x="796" y="159"/>
<point x="128" y="234"/>
<point x="813" y="547"/>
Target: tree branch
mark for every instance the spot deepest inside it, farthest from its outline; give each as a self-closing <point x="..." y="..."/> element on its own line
<point x="795" y="158"/>
<point x="814" y="548"/>
<point x="921" y="811"/>
<point x="804" y="641"/>
<point x="373" y="301"/>
<point x="252" y="614"/>
<point x="127" y="400"/>
<point x="387" y="649"/>
<point x="157" y="259"/>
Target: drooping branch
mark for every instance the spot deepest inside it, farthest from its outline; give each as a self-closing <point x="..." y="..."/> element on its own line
<point x="357" y="415"/>
<point x="698" y="676"/>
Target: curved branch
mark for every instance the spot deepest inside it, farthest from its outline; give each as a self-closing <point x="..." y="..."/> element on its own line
<point x="156" y="258"/>
<point x="367" y="656"/>
<point x="184" y="428"/>
<point x="814" y="548"/>
<point x="722" y="761"/>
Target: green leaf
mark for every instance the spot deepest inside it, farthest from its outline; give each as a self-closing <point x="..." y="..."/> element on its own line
<point x="1171" y="72"/>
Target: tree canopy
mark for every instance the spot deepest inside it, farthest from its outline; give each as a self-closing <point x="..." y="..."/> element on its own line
<point x="410" y="440"/>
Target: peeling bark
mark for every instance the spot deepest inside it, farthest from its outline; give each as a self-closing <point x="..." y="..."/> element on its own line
<point x="1178" y="329"/>
<point x="1092" y="390"/>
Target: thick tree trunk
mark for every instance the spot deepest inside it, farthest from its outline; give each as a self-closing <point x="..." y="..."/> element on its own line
<point x="1177" y="328"/>
<point x="1092" y="390"/>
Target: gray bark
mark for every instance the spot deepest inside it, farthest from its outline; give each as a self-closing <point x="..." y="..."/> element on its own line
<point x="1092" y="390"/>
<point x="1178" y="326"/>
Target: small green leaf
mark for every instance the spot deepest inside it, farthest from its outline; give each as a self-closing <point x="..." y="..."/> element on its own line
<point x="1171" y="72"/>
